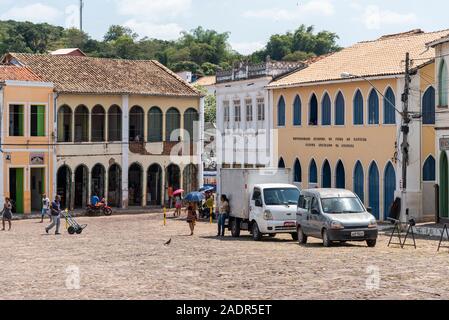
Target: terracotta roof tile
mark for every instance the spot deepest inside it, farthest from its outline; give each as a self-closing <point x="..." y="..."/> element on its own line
<point x="381" y="57"/>
<point x="72" y="74"/>
<point x="8" y="72"/>
<point x="205" y="81"/>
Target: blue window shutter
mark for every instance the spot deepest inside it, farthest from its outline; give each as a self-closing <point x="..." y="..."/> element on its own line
<point x="313" y="172"/>
<point x="429" y="171"/>
<point x="281" y="112"/>
<point x="298" y="171"/>
<point x="340" y="110"/>
<point x="358" y="108"/>
<point x="313" y="111"/>
<point x="327" y="175"/>
<point x="326" y="111"/>
<point x="340" y="176"/>
<point x="281" y="164"/>
<point x="373" y="108"/>
<point x="428" y="106"/>
<point x="297" y="111"/>
<point x="389" y="107"/>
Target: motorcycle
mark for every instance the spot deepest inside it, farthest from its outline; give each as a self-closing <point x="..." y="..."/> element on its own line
<point x="100" y="208"/>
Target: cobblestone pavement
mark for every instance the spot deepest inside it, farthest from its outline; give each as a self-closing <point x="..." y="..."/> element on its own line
<point x="124" y="257"/>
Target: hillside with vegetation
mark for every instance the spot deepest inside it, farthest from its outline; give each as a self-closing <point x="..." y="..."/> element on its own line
<point x="199" y="50"/>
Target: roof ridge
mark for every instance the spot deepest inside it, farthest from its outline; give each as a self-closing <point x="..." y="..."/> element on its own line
<point x="406" y="34"/>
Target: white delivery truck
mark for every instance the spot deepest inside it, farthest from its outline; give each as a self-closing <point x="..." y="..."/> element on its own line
<point x="262" y="201"/>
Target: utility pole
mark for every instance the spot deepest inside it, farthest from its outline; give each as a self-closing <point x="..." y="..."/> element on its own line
<point x="81" y="14"/>
<point x="405" y="129"/>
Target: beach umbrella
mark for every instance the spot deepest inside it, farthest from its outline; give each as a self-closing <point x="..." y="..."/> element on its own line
<point x="194" y="197"/>
<point x="179" y="191"/>
<point x="207" y="189"/>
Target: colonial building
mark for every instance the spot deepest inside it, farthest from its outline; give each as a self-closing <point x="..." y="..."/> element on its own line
<point x="339" y="122"/>
<point x="244" y="119"/>
<point x="26" y="142"/>
<point x="441" y="47"/>
<point x="125" y="130"/>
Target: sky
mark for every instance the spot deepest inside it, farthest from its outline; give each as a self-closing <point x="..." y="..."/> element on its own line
<point x="250" y="22"/>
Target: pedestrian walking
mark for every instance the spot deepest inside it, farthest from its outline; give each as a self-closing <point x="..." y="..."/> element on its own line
<point x="56" y="215"/>
<point x="191" y="217"/>
<point x="223" y="213"/>
<point x="178" y="206"/>
<point x="7" y="213"/>
<point x="45" y="207"/>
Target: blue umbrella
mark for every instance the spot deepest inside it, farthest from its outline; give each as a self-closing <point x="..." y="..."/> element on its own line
<point x="194" y="197"/>
<point x="207" y="189"/>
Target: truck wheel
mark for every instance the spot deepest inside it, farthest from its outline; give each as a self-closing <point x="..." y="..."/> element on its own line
<point x="294" y="236"/>
<point x="326" y="242"/>
<point x="257" y="236"/>
<point x="302" y="238"/>
<point x="235" y="228"/>
<point x="371" y="243"/>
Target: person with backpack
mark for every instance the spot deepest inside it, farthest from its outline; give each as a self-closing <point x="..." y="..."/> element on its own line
<point x="45" y="207"/>
<point x="56" y="215"/>
<point x="223" y="213"/>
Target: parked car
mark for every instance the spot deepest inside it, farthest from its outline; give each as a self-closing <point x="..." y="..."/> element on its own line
<point x="334" y="215"/>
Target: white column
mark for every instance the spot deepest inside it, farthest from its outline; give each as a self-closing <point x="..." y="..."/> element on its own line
<point x="268" y="126"/>
<point x="3" y="181"/>
<point x="89" y="185"/>
<point x="200" y="149"/>
<point x="125" y="149"/>
<point x="144" y="186"/>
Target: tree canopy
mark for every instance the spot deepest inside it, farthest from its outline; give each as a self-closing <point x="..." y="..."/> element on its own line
<point x="200" y="50"/>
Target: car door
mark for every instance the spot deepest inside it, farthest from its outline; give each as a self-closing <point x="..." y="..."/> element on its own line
<point x="303" y="213"/>
<point x="315" y="219"/>
<point x="256" y="205"/>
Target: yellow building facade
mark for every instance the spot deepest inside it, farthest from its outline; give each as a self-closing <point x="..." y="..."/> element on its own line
<point x="26" y="139"/>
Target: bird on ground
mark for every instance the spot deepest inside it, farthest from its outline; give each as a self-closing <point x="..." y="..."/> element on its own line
<point x="167" y="243"/>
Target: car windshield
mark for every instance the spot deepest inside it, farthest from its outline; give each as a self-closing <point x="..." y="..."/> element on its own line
<point x="281" y="196"/>
<point x="342" y="205"/>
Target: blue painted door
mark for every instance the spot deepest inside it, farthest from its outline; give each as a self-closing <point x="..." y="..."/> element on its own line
<point x="373" y="191"/>
<point x="389" y="189"/>
<point x="359" y="181"/>
<point x="340" y="176"/>
<point x="327" y="176"/>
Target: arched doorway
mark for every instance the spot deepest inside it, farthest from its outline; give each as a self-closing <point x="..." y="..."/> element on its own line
<point x="359" y="181"/>
<point x="115" y="123"/>
<point x="172" y="125"/>
<point x="389" y="188"/>
<point x="297" y="174"/>
<point x="155" y="123"/>
<point x="190" y="178"/>
<point x="65" y="124"/>
<point x="340" y="176"/>
<point x="154" y="185"/>
<point x="444" y="185"/>
<point x="313" y="111"/>
<point x="373" y="190"/>
<point x="136" y="124"/>
<point x="81" y="124"/>
<point x="191" y="118"/>
<point x="135" y="176"/>
<point x="327" y="175"/>
<point x="63" y="185"/>
<point x="115" y="186"/>
<point x="81" y="181"/>
<point x="173" y="178"/>
<point x="98" y="123"/>
<point x="281" y="164"/>
<point x="98" y="180"/>
<point x="313" y="172"/>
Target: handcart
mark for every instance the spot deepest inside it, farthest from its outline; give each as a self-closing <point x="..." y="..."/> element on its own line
<point x="71" y="224"/>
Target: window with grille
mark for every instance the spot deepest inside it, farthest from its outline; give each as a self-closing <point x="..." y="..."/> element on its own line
<point x="37" y="121"/>
<point x="249" y="110"/>
<point x="226" y="111"/>
<point x="237" y="107"/>
<point x="16" y="117"/>
<point x="261" y="109"/>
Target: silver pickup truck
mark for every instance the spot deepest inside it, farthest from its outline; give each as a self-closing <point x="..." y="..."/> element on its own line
<point x="334" y="215"/>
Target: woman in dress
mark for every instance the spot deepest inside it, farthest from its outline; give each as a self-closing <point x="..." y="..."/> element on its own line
<point x="191" y="216"/>
<point x="7" y="213"/>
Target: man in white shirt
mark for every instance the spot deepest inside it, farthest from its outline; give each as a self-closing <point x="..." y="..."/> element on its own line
<point x="45" y="207"/>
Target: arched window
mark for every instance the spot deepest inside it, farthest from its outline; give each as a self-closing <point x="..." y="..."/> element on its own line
<point x="115" y="123"/>
<point x="281" y="112"/>
<point x="313" y="111"/>
<point x="313" y="172"/>
<point x="327" y="175"/>
<point x="155" y="125"/>
<point x="389" y="107"/>
<point x="359" y="180"/>
<point x="326" y="111"/>
<point x="340" y="110"/>
<point x="81" y="124"/>
<point x="190" y="118"/>
<point x="65" y="124"/>
<point x="340" y="176"/>
<point x="429" y="171"/>
<point x="373" y="191"/>
<point x="98" y="123"/>
<point x="373" y="108"/>
<point x="358" y="108"/>
<point x="442" y="84"/>
<point x="172" y="124"/>
<point x="297" y="171"/>
<point x="297" y="111"/>
<point x="428" y="106"/>
<point x="281" y="163"/>
<point x="136" y="124"/>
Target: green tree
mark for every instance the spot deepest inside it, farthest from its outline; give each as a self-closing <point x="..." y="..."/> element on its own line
<point x="210" y="105"/>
